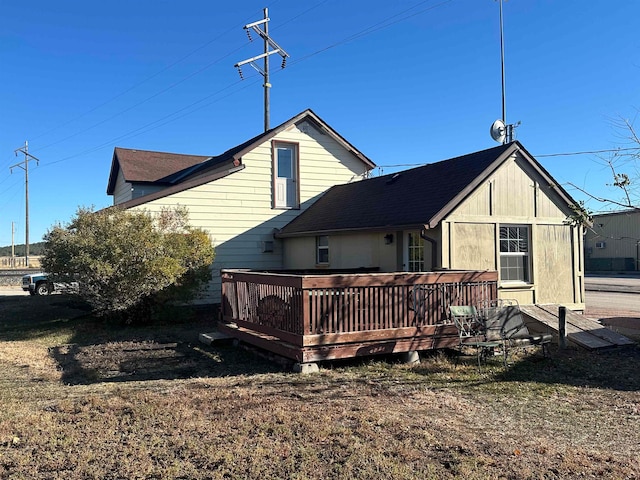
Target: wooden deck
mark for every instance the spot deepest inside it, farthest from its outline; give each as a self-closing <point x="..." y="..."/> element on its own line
<point x="314" y="317"/>
<point x="581" y="331"/>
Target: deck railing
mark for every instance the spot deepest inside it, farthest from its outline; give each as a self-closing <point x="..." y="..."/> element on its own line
<point x="317" y="309"/>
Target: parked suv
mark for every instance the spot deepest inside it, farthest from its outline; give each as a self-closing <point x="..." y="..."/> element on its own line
<point x="39" y="284"/>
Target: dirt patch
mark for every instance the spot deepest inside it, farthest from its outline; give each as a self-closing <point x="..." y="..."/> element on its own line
<point x="131" y="361"/>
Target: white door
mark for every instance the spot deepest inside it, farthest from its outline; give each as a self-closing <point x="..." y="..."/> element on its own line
<point x="286" y="192"/>
<point x="413" y="252"/>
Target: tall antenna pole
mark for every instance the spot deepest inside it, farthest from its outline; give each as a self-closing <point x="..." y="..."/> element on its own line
<point x="264" y="71"/>
<point x="504" y="101"/>
<point x="25" y="166"/>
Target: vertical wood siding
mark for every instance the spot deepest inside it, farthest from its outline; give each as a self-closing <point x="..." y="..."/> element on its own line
<point x="516" y="194"/>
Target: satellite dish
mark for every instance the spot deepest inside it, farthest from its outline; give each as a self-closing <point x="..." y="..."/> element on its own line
<point x="498" y="131"/>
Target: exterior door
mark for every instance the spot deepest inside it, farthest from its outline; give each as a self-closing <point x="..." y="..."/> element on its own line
<point x="285" y="178"/>
<point x="413" y="252"/>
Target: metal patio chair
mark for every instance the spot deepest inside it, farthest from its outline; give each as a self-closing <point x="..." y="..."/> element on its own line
<point x="504" y="323"/>
<point x="472" y="332"/>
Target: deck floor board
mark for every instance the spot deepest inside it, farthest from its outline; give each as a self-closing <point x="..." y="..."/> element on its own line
<point x="582" y="331"/>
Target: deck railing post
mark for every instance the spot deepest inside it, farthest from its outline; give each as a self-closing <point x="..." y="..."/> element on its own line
<point x="306" y="311"/>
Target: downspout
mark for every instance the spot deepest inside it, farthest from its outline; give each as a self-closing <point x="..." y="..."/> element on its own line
<point x="434" y="245"/>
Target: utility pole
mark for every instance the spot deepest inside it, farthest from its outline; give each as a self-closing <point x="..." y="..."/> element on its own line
<point x="25" y="166"/>
<point x="13" y="245"/>
<point x="264" y="71"/>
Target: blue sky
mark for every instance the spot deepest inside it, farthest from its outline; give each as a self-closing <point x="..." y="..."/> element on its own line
<point x="407" y="82"/>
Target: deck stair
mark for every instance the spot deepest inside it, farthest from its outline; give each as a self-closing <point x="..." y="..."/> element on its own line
<point x="582" y="331"/>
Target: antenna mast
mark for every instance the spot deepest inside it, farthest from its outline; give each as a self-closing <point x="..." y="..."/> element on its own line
<point x="501" y="131"/>
<point x="264" y="71"/>
<point x="25" y="166"/>
<point x="504" y="101"/>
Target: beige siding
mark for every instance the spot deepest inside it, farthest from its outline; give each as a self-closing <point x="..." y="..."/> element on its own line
<point x="620" y="233"/>
<point x="478" y="203"/>
<point x="553" y="264"/>
<point x="474" y="246"/>
<point x="299" y="253"/>
<point x="546" y="206"/>
<point x="236" y="210"/>
<point x="358" y="250"/>
<point x="515" y="194"/>
<point x="122" y="190"/>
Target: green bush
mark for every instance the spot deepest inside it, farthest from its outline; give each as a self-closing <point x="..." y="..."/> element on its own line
<point x="129" y="261"/>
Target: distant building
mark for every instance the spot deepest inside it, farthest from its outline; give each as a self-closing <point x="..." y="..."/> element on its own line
<point x="613" y="243"/>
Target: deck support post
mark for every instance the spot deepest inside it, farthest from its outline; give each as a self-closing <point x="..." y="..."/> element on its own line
<point x="411" y="357"/>
<point x="306" y="368"/>
<point x="562" y="327"/>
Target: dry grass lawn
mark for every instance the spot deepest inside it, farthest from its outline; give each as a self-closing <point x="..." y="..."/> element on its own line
<point x="83" y="400"/>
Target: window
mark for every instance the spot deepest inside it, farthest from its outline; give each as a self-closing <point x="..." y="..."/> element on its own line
<point x="514" y="254"/>
<point x="285" y="175"/>
<point x="322" y="250"/>
<point x="415" y="251"/>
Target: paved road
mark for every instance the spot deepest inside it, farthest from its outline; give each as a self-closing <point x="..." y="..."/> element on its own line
<point x="613" y="301"/>
<point x="619" y="283"/>
<point x="12" y="291"/>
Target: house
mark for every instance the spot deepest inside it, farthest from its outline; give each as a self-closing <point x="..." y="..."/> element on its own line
<point x="245" y="194"/>
<point x="297" y="197"/>
<point x="613" y="242"/>
<point x="315" y="260"/>
<point x="497" y="209"/>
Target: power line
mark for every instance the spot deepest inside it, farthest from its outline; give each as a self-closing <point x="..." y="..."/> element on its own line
<point x="588" y="152"/>
<point x="563" y="154"/>
<point x="372" y="29"/>
<point x="138" y="131"/>
<point x="136" y="85"/>
<point x="173" y="85"/>
<point x="157" y="94"/>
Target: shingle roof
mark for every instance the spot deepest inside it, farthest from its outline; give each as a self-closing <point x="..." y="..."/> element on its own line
<point x="413" y="197"/>
<point x="172" y="168"/>
<point x="144" y="166"/>
<point x="147" y="166"/>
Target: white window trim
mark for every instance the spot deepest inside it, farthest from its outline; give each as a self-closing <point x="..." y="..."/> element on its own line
<point x="323" y="248"/>
<point x="407" y="253"/>
<point x="527" y="255"/>
<point x="295" y="148"/>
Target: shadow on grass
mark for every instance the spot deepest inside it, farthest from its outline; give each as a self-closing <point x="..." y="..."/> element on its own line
<point x="615" y="369"/>
<point x="89" y="350"/>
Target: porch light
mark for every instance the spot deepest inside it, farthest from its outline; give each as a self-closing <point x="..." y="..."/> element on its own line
<point x="388" y="239"/>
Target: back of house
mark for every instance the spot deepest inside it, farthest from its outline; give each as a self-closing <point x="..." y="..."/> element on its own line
<point x="241" y="197"/>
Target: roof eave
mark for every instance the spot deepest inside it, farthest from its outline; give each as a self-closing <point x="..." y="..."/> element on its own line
<point x="319" y="122"/>
<point x="313" y="233"/>
<point x="165" y="192"/>
<point x="514" y="148"/>
<point x="455" y="201"/>
<point x="113" y="173"/>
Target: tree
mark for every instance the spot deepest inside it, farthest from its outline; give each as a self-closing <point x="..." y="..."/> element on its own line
<point x="127" y="261"/>
<point x="623" y="165"/>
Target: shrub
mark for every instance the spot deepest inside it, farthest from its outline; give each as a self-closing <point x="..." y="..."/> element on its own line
<point x="128" y="261"/>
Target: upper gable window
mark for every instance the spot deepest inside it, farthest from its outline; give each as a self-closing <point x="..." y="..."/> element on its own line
<point x="286" y="193"/>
